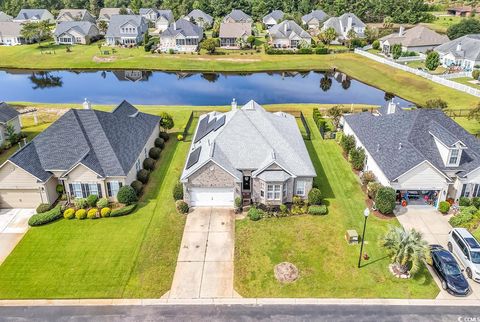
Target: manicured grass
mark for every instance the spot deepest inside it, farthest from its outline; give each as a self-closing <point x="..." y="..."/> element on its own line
<point x="442" y="23"/>
<point x="316" y="245"/>
<point x="131" y="256"/>
<point x="471" y="125"/>
<point x="421" y="64"/>
<point x="466" y="81"/>
<point x="403" y="84"/>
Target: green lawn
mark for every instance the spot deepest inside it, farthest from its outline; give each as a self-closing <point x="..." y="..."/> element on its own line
<point x="466" y="81"/>
<point x="403" y="84"/>
<point x="442" y="23"/>
<point x="421" y="64"/>
<point x="316" y="245"/>
<point x="131" y="256"/>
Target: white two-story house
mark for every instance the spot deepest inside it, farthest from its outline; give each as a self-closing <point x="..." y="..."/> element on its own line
<point x="126" y="30"/>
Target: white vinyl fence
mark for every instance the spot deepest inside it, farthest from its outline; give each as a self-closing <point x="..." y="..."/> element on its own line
<point x="443" y="80"/>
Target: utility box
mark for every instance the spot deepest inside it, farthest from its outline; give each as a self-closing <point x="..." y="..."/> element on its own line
<point x="351" y="236"/>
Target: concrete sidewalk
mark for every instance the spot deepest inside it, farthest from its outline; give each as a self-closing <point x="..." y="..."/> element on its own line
<point x="205" y="261"/>
<point x="13" y="225"/>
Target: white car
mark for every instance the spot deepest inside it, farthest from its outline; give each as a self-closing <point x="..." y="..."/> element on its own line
<point x="467" y="249"/>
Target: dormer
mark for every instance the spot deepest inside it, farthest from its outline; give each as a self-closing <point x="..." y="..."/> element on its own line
<point x="448" y="146"/>
<point x="128" y="28"/>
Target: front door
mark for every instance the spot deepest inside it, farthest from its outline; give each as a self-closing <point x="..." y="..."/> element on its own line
<point x="246" y="183"/>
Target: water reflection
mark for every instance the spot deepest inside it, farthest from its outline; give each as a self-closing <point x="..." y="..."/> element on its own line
<point x="42" y="80"/>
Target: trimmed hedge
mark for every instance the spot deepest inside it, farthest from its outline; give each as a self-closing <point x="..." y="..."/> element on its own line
<point x="80" y="203"/>
<point x="92" y="200"/>
<point x="138" y="186"/>
<point x="255" y="214"/>
<point x="154" y="153"/>
<point x="160" y="143"/>
<point x="81" y="214"/>
<point x="46" y="217"/>
<point x="177" y="191"/>
<point x="143" y="175"/>
<point x="315" y="197"/>
<point x="127" y="195"/>
<point x="165" y="136"/>
<point x="105" y="212"/>
<point x="92" y="213"/>
<point x="444" y="207"/>
<point x="69" y="213"/>
<point x="102" y="203"/>
<point x="149" y="164"/>
<point x="385" y="200"/>
<point x="317" y="210"/>
<point x="182" y="206"/>
<point x="43" y="207"/>
<point x="123" y="211"/>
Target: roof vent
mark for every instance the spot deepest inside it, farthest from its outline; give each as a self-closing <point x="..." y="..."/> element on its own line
<point x="378" y="147"/>
<point x="87" y="105"/>
<point x="459" y="46"/>
<point x="391" y="107"/>
<point x="234" y="105"/>
<point x="401" y="30"/>
<point x="400" y="145"/>
<point x="273" y="155"/>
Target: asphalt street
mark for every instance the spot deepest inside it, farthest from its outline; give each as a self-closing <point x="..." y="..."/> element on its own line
<point x="242" y="313"/>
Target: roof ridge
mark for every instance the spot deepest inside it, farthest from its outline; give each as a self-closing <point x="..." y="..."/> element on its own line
<point x="89" y="143"/>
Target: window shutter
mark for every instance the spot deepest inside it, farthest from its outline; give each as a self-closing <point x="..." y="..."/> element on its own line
<point x="87" y="190"/>
<point x="464" y="187"/>
<point x="120" y="185"/>
<point x="109" y="190"/>
<point x="99" y="187"/>
<point x="84" y="191"/>
<point x="70" y="187"/>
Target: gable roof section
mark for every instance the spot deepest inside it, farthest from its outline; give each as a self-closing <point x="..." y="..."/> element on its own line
<point x="117" y="21"/>
<point x="416" y="36"/>
<point x="400" y="141"/>
<point x="320" y="15"/>
<point x="73" y="14"/>
<point x="288" y="29"/>
<point x="166" y="14"/>
<point x="252" y="139"/>
<point x="235" y="29"/>
<point x="4" y="17"/>
<point x="107" y="13"/>
<point x="275" y="15"/>
<point x="10" y="28"/>
<point x="82" y="27"/>
<point x="106" y="142"/>
<point x="341" y="23"/>
<point x="238" y="16"/>
<point x="37" y="14"/>
<point x="184" y="27"/>
<point x="197" y="14"/>
<point x="7" y="112"/>
<point x="469" y="47"/>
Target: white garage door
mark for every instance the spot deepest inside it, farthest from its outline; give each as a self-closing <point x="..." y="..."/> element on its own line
<point x="219" y="197"/>
<point x="19" y="198"/>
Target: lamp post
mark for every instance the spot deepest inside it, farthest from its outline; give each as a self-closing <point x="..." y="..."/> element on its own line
<point x="366" y="212"/>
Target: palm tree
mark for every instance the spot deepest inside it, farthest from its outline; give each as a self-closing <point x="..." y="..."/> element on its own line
<point x="325" y="82"/>
<point x="407" y="249"/>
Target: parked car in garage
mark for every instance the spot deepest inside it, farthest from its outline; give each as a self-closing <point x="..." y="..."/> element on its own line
<point x="448" y="271"/>
<point x="467" y="249"/>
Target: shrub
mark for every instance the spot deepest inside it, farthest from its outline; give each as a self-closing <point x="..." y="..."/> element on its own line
<point x="149" y="164"/>
<point x="81" y="214"/>
<point x="347" y="142"/>
<point x="385" y="200"/>
<point x="92" y="213"/>
<point x="177" y="191"/>
<point x="255" y="214"/>
<point x="182" y="207"/>
<point x="357" y="158"/>
<point x="105" y="212"/>
<point x="92" y="200"/>
<point x="376" y="44"/>
<point x="154" y="153"/>
<point x="69" y="213"/>
<point x="467" y="218"/>
<point x="143" y="175"/>
<point x="317" y="210"/>
<point x="321" y="51"/>
<point x="367" y="177"/>
<point x="59" y="189"/>
<point x="80" y="203"/>
<point x="315" y="197"/>
<point x="137" y="186"/>
<point x="159" y="143"/>
<point x="238" y="204"/>
<point x="372" y="188"/>
<point x="436" y="103"/>
<point x="43" y="207"/>
<point x="476" y="202"/>
<point x="127" y="195"/>
<point x="444" y="207"/>
<point x="46" y="217"/>
<point x="283" y="209"/>
<point x="396" y="51"/>
<point x="476" y="74"/>
<point x="123" y="211"/>
<point x="180" y="137"/>
<point x="464" y="202"/>
<point x="164" y="135"/>
<point x="102" y="203"/>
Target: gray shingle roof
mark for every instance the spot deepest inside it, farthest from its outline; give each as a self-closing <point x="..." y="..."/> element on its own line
<point x="288" y="29"/>
<point x="7" y="112"/>
<point x="75" y="14"/>
<point x="117" y="21"/>
<point x="382" y="136"/>
<point x="38" y="14"/>
<point x="107" y="142"/>
<point x="165" y="13"/>
<point x="10" y="28"/>
<point x="318" y="14"/>
<point x="238" y="16"/>
<point x="470" y="47"/>
<point x="276" y="15"/>
<point x="235" y="29"/>
<point x="83" y="27"/>
<point x="185" y="28"/>
<point x="416" y="36"/>
<point x="253" y="138"/>
<point x="107" y="13"/>
<point x="5" y="17"/>
<point x="197" y="14"/>
<point x="338" y="23"/>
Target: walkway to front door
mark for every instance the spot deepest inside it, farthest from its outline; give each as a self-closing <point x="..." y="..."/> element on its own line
<point x="205" y="261"/>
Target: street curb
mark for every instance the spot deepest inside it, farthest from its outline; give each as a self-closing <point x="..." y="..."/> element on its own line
<point x="241" y="301"/>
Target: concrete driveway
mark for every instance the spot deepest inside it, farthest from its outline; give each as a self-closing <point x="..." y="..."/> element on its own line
<point x="205" y="261"/>
<point x="435" y="228"/>
<point x="13" y="225"/>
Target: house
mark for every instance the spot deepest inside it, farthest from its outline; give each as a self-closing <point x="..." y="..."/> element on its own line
<point x="247" y="153"/>
<point x="419" y="39"/>
<point x="315" y="19"/>
<point x="11" y="33"/>
<point x="273" y="18"/>
<point x="465" y="11"/>
<point x="201" y="18"/>
<point x="86" y="151"/>
<point x="421" y="152"/>
<point x="4" y="17"/>
<point x="106" y="14"/>
<point x="75" y="32"/>
<point x="8" y="117"/>
<point x="164" y="20"/>
<point x="150" y="14"/>
<point x="75" y="15"/>
<point x="343" y="25"/>
<point x="237" y="16"/>
<point x="34" y="15"/>
<point x="181" y="36"/>
<point x="463" y="52"/>
<point x="232" y="33"/>
<point x="288" y="34"/>
<point x="132" y="75"/>
<point x="126" y="30"/>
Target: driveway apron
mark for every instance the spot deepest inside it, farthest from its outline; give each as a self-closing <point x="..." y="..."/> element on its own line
<point x="13" y="225"/>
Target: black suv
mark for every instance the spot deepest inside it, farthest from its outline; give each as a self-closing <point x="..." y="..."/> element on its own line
<point x="448" y="271"/>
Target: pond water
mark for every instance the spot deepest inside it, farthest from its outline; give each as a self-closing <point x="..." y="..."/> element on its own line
<point x="168" y="88"/>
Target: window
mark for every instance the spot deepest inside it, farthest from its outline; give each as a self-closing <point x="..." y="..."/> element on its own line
<point x="145" y="152"/>
<point x="262" y="189"/>
<point x="77" y="190"/>
<point x="284" y="190"/>
<point x="137" y="165"/>
<point x="300" y="188"/>
<point x="113" y="187"/>
<point x="93" y="189"/>
<point x="273" y="191"/>
<point x="453" y="159"/>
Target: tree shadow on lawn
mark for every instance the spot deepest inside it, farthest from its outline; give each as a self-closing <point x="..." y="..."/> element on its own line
<point x="321" y="180"/>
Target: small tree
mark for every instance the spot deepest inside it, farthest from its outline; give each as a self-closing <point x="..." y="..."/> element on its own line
<point x="251" y="41"/>
<point x="11" y="134"/>
<point x="476" y="74"/>
<point x="407" y="249"/>
<point x="376" y="44"/>
<point x="166" y="121"/>
<point x="357" y="158"/>
<point x="433" y="60"/>
<point x="38" y="31"/>
<point x="347" y="142"/>
<point x="102" y="26"/>
<point x="127" y="195"/>
<point x="210" y="45"/>
<point x="396" y="51"/>
<point x="327" y="36"/>
<point x="335" y="114"/>
<point x="385" y="200"/>
<point x="315" y="197"/>
<point x="436" y="103"/>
